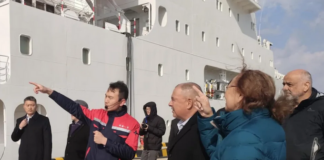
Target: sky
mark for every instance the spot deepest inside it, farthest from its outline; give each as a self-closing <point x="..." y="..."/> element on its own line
<point x="296" y="29"/>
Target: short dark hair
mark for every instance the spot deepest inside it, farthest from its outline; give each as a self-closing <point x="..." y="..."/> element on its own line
<point x="30" y="98"/>
<point x="122" y="87"/>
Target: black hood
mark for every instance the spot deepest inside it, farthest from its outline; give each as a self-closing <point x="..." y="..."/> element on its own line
<point x="152" y="105"/>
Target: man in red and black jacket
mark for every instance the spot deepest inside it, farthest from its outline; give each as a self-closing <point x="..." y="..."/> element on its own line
<point x="113" y="132"/>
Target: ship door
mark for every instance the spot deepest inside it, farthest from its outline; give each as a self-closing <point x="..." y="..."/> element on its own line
<point x="2" y="126"/>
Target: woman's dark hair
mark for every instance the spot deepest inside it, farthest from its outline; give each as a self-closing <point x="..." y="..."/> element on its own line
<point x="258" y="90"/>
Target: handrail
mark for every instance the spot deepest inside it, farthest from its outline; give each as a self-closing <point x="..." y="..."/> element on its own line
<point x="5" y="68"/>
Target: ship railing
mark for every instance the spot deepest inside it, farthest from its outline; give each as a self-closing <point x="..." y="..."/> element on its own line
<point x="105" y="14"/>
<point x="4" y="67"/>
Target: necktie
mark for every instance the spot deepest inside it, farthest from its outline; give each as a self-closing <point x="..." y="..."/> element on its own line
<point x="180" y="127"/>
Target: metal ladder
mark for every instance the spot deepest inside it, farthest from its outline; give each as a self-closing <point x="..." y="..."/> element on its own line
<point x="4" y="63"/>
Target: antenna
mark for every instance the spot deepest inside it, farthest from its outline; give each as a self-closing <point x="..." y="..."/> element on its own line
<point x="261" y="17"/>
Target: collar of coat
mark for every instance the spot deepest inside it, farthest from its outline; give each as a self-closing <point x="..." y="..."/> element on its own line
<point x="232" y="120"/>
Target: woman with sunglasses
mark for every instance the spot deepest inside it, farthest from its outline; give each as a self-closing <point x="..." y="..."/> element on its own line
<point x="250" y="129"/>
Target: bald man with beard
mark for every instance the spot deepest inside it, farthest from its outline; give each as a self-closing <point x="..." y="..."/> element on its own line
<point x="305" y="126"/>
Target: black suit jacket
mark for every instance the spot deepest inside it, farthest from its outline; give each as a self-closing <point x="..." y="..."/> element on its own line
<point x="186" y="145"/>
<point x="77" y="143"/>
<point x="35" y="138"/>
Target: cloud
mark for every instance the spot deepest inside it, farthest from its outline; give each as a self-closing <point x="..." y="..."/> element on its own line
<point x="295" y="55"/>
<point x="290" y="6"/>
<point x="319" y="20"/>
<point x="271" y="31"/>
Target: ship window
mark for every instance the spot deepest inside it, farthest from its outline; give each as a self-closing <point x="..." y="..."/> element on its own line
<point x="49" y="8"/>
<point x="243" y="51"/>
<point x="260" y="58"/>
<point x="230" y="12"/>
<point x="187" y="29"/>
<point x="251" y="55"/>
<point x="28" y="3"/>
<point x="233" y="48"/>
<point x="177" y="26"/>
<point x="252" y="26"/>
<point x="187" y="75"/>
<point x="86" y="58"/>
<point x="217" y="4"/>
<point x="162" y="16"/>
<point x="203" y="36"/>
<point x="40" y="5"/>
<point x="217" y="42"/>
<point x="221" y="6"/>
<point x="25" y="45"/>
<point x="160" y="70"/>
<point x="2" y="123"/>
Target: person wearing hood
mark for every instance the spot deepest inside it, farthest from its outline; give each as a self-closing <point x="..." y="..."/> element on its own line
<point x="153" y="128"/>
<point x="78" y="136"/>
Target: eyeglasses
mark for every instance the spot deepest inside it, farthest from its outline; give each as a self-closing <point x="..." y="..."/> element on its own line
<point x="229" y="87"/>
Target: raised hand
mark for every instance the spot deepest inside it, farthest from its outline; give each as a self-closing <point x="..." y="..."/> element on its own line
<point x="42" y="89"/>
<point x="202" y="104"/>
<point x="99" y="138"/>
<point x="23" y="123"/>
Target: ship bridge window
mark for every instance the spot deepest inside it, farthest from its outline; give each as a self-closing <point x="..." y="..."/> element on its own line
<point x="187" y="29"/>
<point x="2" y="123"/>
<point x="86" y="57"/>
<point x="25" y="45"/>
<point x="177" y="26"/>
<point x="28" y="2"/>
<point x="162" y="16"/>
<point x="49" y="8"/>
<point x="108" y="18"/>
<point x="40" y="5"/>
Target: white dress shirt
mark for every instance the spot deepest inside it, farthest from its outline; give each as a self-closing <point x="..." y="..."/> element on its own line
<point x="181" y="123"/>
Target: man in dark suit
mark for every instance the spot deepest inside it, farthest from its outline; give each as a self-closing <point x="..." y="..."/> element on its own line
<point x="78" y="136"/>
<point x="34" y="131"/>
<point x="184" y="141"/>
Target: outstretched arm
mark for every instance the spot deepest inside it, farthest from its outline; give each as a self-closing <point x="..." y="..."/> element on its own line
<point x="67" y="104"/>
